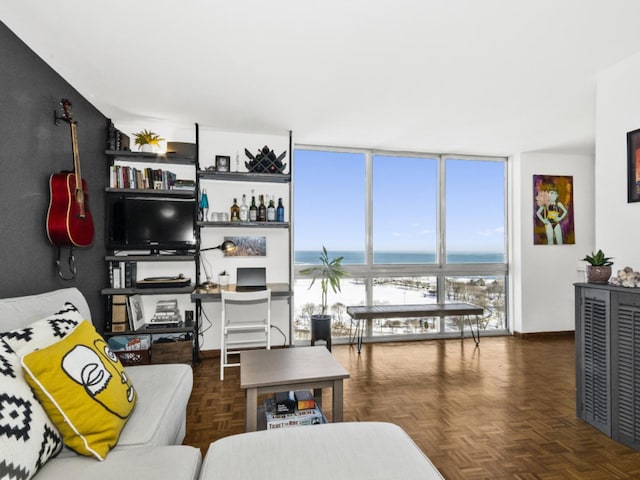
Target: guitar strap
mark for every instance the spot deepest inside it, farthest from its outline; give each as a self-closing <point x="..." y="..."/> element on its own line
<point x="72" y="264"/>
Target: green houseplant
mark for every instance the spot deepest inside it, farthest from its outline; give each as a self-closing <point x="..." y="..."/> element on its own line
<point x="329" y="273"/>
<point x="599" y="268"/>
<point x="147" y="137"/>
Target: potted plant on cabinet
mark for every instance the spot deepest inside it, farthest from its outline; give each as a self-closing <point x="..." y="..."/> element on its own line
<point x="147" y="140"/>
<point x="599" y="268"/>
<point x="329" y="273"/>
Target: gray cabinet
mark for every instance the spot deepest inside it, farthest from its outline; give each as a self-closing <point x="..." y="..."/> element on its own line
<point x="608" y="360"/>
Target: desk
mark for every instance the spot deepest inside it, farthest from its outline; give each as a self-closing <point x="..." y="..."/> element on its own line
<point x="284" y="369"/>
<point x="368" y="313"/>
<point x="214" y="295"/>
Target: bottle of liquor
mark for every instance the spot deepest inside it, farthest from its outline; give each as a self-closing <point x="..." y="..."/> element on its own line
<point x="244" y="209"/>
<point x="253" y="210"/>
<point x="235" y="211"/>
<point x="262" y="209"/>
<point x="204" y="205"/>
<point x="280" y="211"/>
<point x="271" y="211"/>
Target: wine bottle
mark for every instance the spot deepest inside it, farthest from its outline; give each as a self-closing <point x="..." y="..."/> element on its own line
<point x="262" y="209"/>
<point x="244" y="209"/>
<point x="280" y="211"/>
<point x="235" y="211"/>
<point x="253" y="210"/>
<point x="271" y="211"/>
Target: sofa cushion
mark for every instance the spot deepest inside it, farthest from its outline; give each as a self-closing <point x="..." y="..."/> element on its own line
<point x="43" y="332"/>
<point x="84" y="389"/>
<point x="18" y="312"/>
<point x="144" y="463"/>
<point x="27" y="437"/>
<point x="160" y="414"/>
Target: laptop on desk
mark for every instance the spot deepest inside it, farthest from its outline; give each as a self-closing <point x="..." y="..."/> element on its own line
<point x="251" y="279"/>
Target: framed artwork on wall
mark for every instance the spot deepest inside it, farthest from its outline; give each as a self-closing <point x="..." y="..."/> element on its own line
<point x="633" y="166"/>
<point x="248" y="247"/>
<point x="553" y="220"/>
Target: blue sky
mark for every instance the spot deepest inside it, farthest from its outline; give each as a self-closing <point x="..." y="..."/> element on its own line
<point x="329" y="191"/>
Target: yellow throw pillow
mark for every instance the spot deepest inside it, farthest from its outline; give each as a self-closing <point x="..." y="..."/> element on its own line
<point x="83" y="388"/>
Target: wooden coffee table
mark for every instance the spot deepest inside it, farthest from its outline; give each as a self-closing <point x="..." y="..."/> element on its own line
<point x="296" y="368"/>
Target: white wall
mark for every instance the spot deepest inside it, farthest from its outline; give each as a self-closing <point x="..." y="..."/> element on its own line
<point x="617" y="112"/>
<point x="542" y="276"/>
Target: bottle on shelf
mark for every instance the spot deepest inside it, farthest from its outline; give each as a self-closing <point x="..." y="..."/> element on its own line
<point x="262" y="210"/>
<point x="280" y="211"/>
<point x="244" y="209"/>
<point x="271" y="211"/>
<point x="253" y="210"/>
<point x="235" y="211"/>
<point x="204" y="205"/>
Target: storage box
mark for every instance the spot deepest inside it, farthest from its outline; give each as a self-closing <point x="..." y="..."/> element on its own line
<point x="131" y="349"/>
<point x="172" y="352"/>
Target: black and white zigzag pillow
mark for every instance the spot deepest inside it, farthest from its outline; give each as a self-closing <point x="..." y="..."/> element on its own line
<point x="27" y="437"/>
<point x="44" y="332"/>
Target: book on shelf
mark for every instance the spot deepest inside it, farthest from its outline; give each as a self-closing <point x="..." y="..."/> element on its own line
<point x="136" y="312"/>
<point x="312" y="416"/>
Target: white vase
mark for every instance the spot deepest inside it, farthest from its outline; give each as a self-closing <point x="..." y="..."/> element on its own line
<point x="148" y="148"/>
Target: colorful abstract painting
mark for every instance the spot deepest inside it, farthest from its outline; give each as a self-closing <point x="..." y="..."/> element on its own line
<point x="553" y="220"/>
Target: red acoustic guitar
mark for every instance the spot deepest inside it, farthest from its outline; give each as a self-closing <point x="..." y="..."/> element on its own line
<point x="69" y="220"/>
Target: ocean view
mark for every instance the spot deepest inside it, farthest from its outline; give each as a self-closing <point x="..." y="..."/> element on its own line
<point x="398" y="258"/>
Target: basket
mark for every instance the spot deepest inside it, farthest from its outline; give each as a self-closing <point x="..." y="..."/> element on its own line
<point x="130" y="358"/>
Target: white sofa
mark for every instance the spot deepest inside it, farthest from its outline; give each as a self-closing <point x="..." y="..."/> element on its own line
<point x="149" y="446"/>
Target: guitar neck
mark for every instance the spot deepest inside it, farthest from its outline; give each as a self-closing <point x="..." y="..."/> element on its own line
<point x="79" y="193"/>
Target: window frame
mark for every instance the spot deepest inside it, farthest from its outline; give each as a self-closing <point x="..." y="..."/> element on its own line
<point x="440" y="269"/>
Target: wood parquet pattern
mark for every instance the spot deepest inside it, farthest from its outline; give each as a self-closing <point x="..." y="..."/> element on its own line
<point x="503" y="410"/>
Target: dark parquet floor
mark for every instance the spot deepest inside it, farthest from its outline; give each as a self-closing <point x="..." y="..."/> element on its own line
<point x="503" y="410"/>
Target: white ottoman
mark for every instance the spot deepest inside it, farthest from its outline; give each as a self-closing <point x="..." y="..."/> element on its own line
<point x="335" y="451"/>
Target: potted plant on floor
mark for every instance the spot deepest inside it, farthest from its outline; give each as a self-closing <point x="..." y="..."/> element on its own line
<point x="599" y="268"/>
<point x="329" y="273"/>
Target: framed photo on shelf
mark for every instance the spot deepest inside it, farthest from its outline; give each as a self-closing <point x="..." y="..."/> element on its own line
<point x="633" y="166"/>
<point x="222" y="163"/>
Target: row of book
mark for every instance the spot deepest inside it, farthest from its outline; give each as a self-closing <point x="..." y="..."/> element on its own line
<point x="124" y="176"/>
<point x="123" y="274"/>
<point x="292" y="409"/>
<point x="116" y="140"/>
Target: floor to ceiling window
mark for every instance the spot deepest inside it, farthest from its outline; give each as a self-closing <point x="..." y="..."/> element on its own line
<point x="412" y="229"/>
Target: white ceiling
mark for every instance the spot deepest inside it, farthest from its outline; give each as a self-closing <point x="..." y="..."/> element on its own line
<point x="492" y="77"/>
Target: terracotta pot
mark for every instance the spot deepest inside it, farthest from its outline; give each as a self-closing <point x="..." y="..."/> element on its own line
<point x="598" y="274"/>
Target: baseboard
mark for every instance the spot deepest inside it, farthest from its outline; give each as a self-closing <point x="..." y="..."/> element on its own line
<point x="544" y="335"/>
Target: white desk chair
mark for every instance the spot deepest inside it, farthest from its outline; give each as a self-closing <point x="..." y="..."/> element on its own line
<point x="246" y="322"/>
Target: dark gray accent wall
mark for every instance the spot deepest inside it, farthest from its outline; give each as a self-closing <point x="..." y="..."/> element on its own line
<point x="32" y="148"/>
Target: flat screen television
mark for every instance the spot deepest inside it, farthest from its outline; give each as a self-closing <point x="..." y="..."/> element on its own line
<point x="151" y="223"/>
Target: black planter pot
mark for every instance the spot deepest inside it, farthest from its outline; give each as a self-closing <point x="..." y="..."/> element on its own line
<point x="321" y="329"/>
